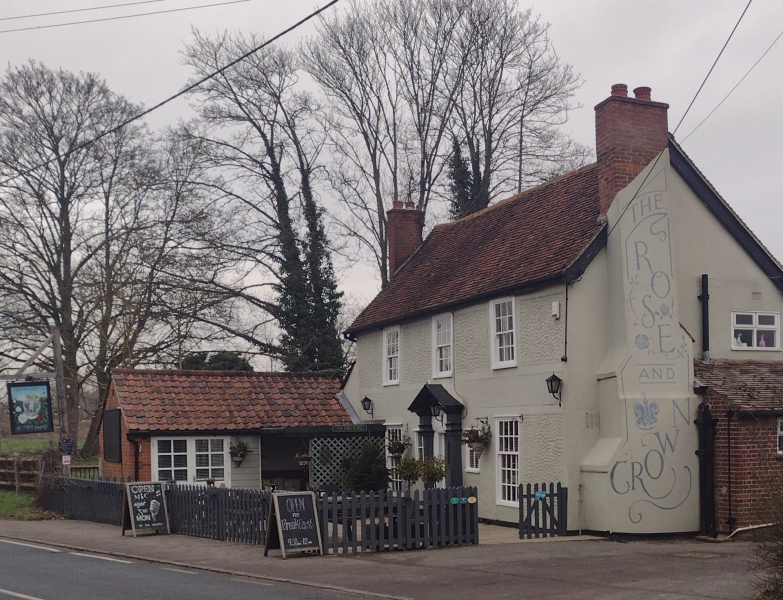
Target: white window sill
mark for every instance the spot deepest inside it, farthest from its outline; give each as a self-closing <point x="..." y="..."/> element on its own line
<point x="751" y="348"/>
<point x="499" y="366"/>
<point x="442" y="375"/>
<point x="388" y="383"/>
<point x="467" y="470"/>
<point x="507" y="503"/>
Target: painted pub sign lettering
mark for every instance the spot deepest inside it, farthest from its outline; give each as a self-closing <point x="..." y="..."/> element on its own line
<point x="655" y="473"/>
<point x="30" y="405"/>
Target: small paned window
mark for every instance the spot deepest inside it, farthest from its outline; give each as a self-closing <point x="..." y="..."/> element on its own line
<point x="173" y="460"/>
<point x="507" y="449"/>
<point x="419" y="445"/>
<point x="210" y="460"/>
<point x="755" y="331"/>
<point x="502" y="329"/>
<point x="472" y="461"/>
<point x="391" y="356"/>
<point x="442" y="345"/>
<point x="395" y="481"/>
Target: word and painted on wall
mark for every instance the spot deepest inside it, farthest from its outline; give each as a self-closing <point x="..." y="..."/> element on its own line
<point x="292" y="525"/>
<point x="144" y="508"/>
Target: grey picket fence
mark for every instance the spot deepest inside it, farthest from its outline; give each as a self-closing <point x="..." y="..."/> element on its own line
<point x="350" y="522"/>
<point x="543" y="510"/>
<point x="378" y="521"/>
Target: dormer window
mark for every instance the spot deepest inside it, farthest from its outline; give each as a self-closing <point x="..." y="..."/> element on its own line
<point x="501" y="317"/>
<point x="442" y="346"/>
<point x="391" y="356"/>
<point x="755" y="330"/>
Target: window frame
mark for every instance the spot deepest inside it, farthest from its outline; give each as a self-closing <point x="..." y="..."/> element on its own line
<point x="780" y="437"/>
<point x="754" y="328"/>
<point x="493" y="335"/>
<point x="386" y="356"/>
<point x="436" y="373"/>
<point x="395" y="483"/>
<point x="469" y="454"/>
<point x="190" y="453"/>
<point x="499" y="500"/>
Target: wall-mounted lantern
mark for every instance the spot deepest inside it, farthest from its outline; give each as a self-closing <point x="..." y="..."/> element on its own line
<point x="367" y="405"/>
<point x="554" y="386"/>
<point x="437" y="412"/>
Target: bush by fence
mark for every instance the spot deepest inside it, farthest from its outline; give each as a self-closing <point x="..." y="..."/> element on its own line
<point x="355" y="522"/>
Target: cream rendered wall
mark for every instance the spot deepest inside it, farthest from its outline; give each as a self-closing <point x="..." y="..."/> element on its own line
<point x="248" y="475"/>
<point x="704" y="246"/>
<point x="486" y="393"/>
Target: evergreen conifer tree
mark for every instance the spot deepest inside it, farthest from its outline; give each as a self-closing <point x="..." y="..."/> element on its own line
<point x="462" y="185"/>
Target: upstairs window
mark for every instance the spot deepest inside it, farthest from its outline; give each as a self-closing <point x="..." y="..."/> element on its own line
<point x="442" y="346"/>
<point x="502" y="330"/>
<point x="755" y="331"/>
<point x="391" y="356"/>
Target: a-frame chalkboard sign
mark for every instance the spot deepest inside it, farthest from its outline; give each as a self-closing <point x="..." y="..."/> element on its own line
<point x="292" y="525"/>
<point x="144" y="508"/>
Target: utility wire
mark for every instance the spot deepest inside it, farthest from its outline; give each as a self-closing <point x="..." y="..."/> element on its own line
<point x="75" y="10"/>
<point x="159" y="12"/>
<point x="184" y="91"/>
<point x="682" y="119"/>
<point x="734" y="88"/>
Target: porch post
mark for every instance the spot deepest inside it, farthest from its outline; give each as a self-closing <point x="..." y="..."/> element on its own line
<point x="453" y="453"/>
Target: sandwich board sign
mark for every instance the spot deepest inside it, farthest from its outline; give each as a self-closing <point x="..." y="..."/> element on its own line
<point x="144" y="508"/>
<point x="292" y="525"/>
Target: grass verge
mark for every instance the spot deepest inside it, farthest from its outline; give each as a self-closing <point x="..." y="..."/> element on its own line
<point x="19" y="506"/>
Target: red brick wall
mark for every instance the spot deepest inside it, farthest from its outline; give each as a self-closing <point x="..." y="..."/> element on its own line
<point x="629" y="133"/>
<point x="405" y="226"/>
<point x="127" y="467"/>
<point x="756" y="468"/>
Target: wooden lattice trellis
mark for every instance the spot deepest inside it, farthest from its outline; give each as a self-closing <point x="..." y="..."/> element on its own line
<point x="329" y="454"/>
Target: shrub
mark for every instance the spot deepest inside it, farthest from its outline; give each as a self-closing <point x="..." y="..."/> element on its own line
<point x="367" y="471"/>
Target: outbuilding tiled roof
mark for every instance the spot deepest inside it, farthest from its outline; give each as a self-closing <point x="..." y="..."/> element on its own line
<point x="749" y="385"/>
<point x="532" y="237"/>
<point x="225" y="400"/>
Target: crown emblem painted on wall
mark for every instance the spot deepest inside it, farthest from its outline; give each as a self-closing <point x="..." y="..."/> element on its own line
<point x="646" y="413"/>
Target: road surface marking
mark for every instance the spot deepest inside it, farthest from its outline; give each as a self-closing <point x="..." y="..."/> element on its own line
<point x="17" y="595"/>
<point x="127" y="562"/>
<point x="254" y="582"/>
<point x="30" y="545"/>
<point x="178" y="570"/>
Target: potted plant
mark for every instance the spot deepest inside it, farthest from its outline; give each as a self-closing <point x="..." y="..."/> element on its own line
<point x="432" y="469"/>
<point x="477" y="438"/>
<point x="398" y="447"/>
<point x="239" y="451"/>
<point x="409" y="470"/>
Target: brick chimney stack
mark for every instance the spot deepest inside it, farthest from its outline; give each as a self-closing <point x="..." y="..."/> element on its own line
<point x="404" y="225"/>
<point x="629" y="133"/>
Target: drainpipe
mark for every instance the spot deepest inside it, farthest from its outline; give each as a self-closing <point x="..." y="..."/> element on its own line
<point x="136" y="450"/>
<point x="705" y="318"/>
<point x="729" y="417"/>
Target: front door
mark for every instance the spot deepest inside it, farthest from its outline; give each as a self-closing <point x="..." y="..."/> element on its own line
<point x="196" y="460"/>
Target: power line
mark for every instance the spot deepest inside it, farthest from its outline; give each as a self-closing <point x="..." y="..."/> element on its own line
<point x="734" y="88"/>
<point x="652" y="168"/>
<point x="186" y="90"/>
<point x="64" y="12"/>
<point x="159" y="12"/>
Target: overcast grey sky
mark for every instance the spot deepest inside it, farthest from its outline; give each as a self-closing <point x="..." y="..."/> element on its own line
<point x="668" y="45"/>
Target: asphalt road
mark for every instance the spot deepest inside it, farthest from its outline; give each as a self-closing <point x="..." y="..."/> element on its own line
<point x="33" y="572"/>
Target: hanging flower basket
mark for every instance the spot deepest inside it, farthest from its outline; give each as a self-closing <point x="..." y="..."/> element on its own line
<point x="239" y="451"/>
<point x="237" y="460"/>
<point x="396" y="455"/>
<point x="478" y="448"/>
<point x="304" y="460"/>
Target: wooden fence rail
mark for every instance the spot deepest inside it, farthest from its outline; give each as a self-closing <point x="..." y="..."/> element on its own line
<point x="350" y="522"/>
<point x="18" y="473"/>
<point x="543" y="511"/>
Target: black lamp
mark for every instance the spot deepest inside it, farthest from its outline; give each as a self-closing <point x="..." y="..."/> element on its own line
<point x="367" y="405"/>
<point x="553" y="386"/>
<point x="437" y="412"/>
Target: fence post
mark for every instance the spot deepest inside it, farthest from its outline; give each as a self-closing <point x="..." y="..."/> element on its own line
<point x="16" y="473"/>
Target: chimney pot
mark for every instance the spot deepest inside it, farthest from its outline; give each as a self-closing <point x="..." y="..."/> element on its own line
<point x="410" y="205"/>
<point x="620" y="89"/>
<point x="642" y="93"/>
<point x="397" y="204"/>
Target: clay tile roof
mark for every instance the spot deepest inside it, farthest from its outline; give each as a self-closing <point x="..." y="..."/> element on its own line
<point x="233" y="400"/>
<point x="527" y="238"/>
<point x="748" y="385"/>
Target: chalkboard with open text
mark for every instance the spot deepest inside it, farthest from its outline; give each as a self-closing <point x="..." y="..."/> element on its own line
<point x="144" y="508"/>
<point x="293" y="525"/>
